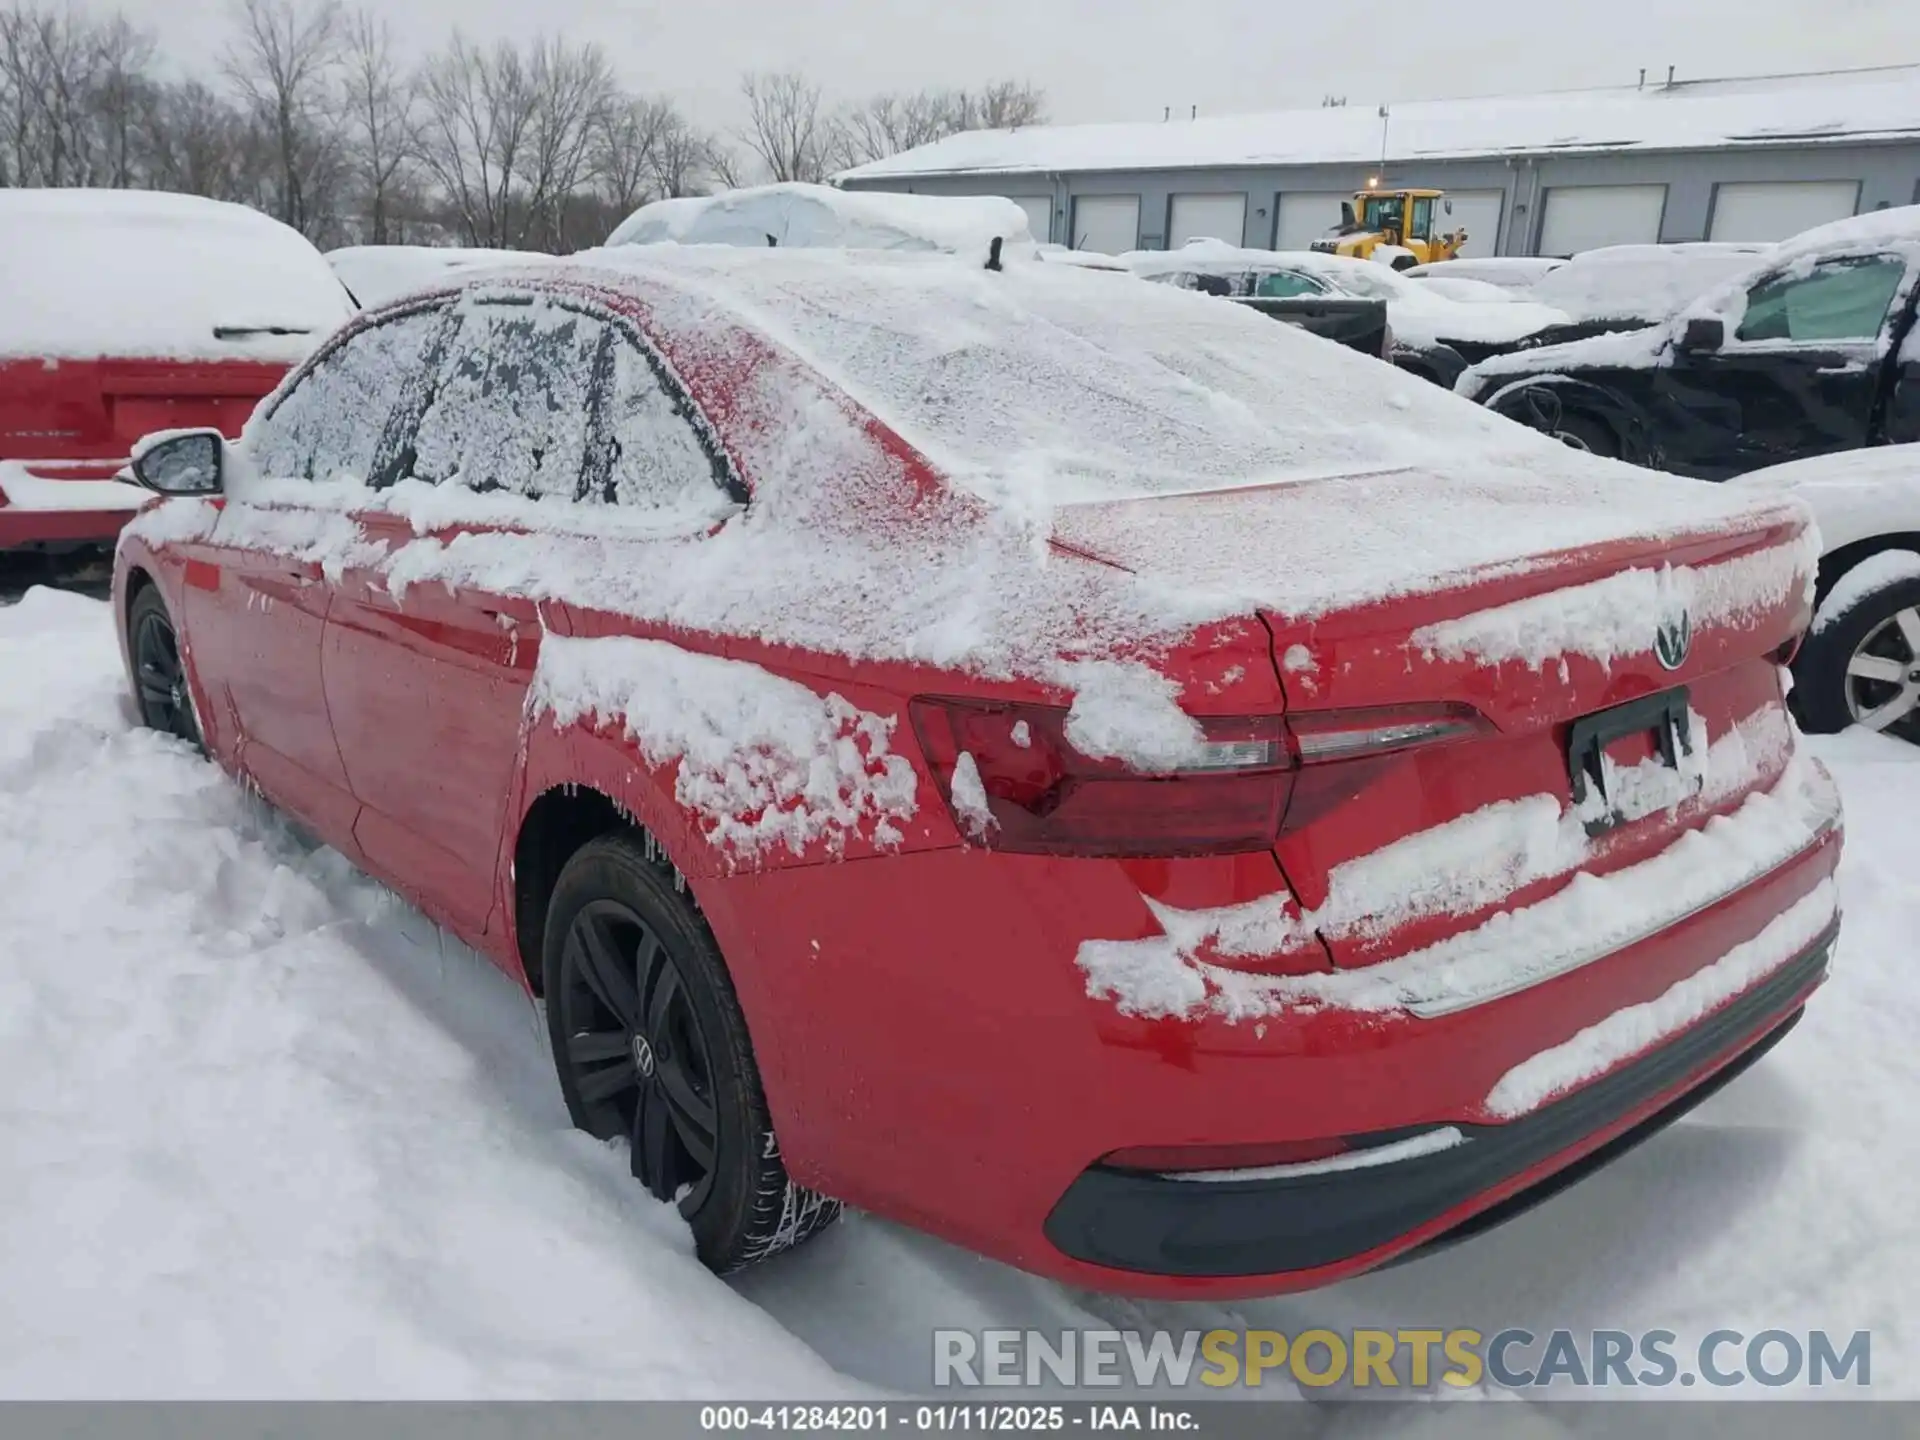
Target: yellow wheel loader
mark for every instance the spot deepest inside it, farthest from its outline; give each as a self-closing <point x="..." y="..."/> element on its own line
<point x="1403" y="219"/>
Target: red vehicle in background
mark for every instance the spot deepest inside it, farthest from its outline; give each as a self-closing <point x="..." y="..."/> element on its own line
<point x="124" y="312"/>
<point x="1078" y="768"/>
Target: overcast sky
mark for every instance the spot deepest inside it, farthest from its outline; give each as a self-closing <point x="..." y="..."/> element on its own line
<point x="1129" y="59"/>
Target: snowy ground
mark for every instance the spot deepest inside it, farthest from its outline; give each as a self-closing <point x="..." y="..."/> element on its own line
<point x="265" y="1132"/>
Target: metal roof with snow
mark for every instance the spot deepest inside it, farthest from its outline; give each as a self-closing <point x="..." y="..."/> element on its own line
<point x="1877" y="105"/>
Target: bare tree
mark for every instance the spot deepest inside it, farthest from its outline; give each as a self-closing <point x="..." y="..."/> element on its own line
<point x="687" y="160"/>
<point x="888" y="124"/>
<point x="281" y="65"/>
<point x="476" y="111"/>
<point x="1003" y="105"/>
<point x="786" y="128"/>
<point x="378" y="106"/>
<point x="572" y="90"/>
<point x="627" y="139"/>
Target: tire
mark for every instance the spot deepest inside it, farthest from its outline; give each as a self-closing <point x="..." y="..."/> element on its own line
<point x="1863" y="666"/>
<point x="1580" y="431"/>
<point x="160" y="689"/>
<point x="650" y="1043"/>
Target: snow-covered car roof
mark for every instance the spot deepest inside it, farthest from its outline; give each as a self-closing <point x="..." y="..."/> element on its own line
<point x="1855" y="494"/>
<point x="141" y="274"/>
<point x="797" y="216"/>
<point x="1509" y="272"/>
<point x="1419" y="314"/>
<point x="1650" y="282"/>
<point x="379" y="273"/>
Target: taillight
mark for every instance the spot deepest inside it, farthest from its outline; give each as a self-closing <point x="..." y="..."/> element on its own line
<point x="1015" y="783"/>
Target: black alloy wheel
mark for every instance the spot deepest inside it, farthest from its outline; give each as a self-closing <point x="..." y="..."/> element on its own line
<point x="640" y="1062"/>
<point x="159" y="676"/>
<point x="651" y="1046"/>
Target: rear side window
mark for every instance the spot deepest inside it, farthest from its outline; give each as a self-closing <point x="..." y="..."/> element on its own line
<point x="654" y="455"/>
<point x="1285" y="285"/>
<point x="328" y="426"/>
<point x="510" y="404"/>
<point x="1836" y="300"/>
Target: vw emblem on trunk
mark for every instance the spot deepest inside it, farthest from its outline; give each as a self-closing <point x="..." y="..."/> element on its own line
<point x="642" y="1056"/>
<point x="1673" y="640"/>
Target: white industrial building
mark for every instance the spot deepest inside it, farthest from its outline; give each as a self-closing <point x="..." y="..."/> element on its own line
<point x="1755" y="158"/>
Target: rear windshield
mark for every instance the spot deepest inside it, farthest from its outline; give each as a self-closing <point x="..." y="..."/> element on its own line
<point x="1045" y="382"/>
<point x="119" y="279"/>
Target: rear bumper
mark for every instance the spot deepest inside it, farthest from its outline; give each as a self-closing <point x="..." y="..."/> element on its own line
<point x="65" y="504"/>
<point x="1156" y="1225"/>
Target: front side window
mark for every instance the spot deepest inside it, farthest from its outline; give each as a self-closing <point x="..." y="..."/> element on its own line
<point x="328" y="426"/>
<point x="1285" y="284"/>
<point x="1836" y="300"/>
<point x="510" y="404"/>
<point x="1383" y="214"/>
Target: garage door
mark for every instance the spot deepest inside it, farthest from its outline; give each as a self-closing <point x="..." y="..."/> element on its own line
<point x="1207" y="217"/>
<point x="1585" y="217"/>
<point x="1773" y="211"/>
<point x="1478" y="213"/>
<point x="1109" y="224"/>
<point x="1304" y="216"/>
<point x="1039" y="210"/>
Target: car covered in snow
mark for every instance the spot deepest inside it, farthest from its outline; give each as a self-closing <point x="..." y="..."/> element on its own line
<point x="1434" y="335"/>
<point x="1807" y="351"/>
<point x="1860" y="663"/>
<point x="1069" y="765"/>
<point x="376" y="274"/>
<point x="123" y="312"/>
<point x="802" y="216"/>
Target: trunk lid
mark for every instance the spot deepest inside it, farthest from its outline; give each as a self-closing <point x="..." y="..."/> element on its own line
<point x="1379" y="595"/>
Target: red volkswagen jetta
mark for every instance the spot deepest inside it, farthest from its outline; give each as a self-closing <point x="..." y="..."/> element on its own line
<point x="1113" y="781"/>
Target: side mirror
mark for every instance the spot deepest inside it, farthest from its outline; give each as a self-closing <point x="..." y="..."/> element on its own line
<point x="181" y="462"/>
<point x="1347" y="219"/>
<point x="1702" y="334"/>
<point x="1449" y="205"/>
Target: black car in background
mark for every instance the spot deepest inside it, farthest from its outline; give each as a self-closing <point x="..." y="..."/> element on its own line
<point x="1812" y="351"/>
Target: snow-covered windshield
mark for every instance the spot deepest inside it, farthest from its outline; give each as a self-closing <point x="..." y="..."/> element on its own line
<point x="1050" y="384"/>
<point x="124" y="273"/>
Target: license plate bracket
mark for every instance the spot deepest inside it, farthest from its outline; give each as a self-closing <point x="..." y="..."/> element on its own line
<point x="1665" y="715"/>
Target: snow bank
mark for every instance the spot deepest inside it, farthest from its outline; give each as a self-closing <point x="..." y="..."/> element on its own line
<point x="1461" y="867"/>
<point x="1626" y="1033"/>
<point x="762" y="760"/>
<point x="1608" y="618"/>
<point x="798" y="216"/>
<point x="269" y="1134"/>
<point x="140" y="274"/>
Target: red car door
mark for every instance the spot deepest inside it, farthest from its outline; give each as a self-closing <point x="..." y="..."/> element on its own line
<point x="257" y="591"/>
<point x="427" y="684"/>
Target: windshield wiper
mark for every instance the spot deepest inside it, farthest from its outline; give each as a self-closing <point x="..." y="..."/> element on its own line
<point x="241" y="332"/>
